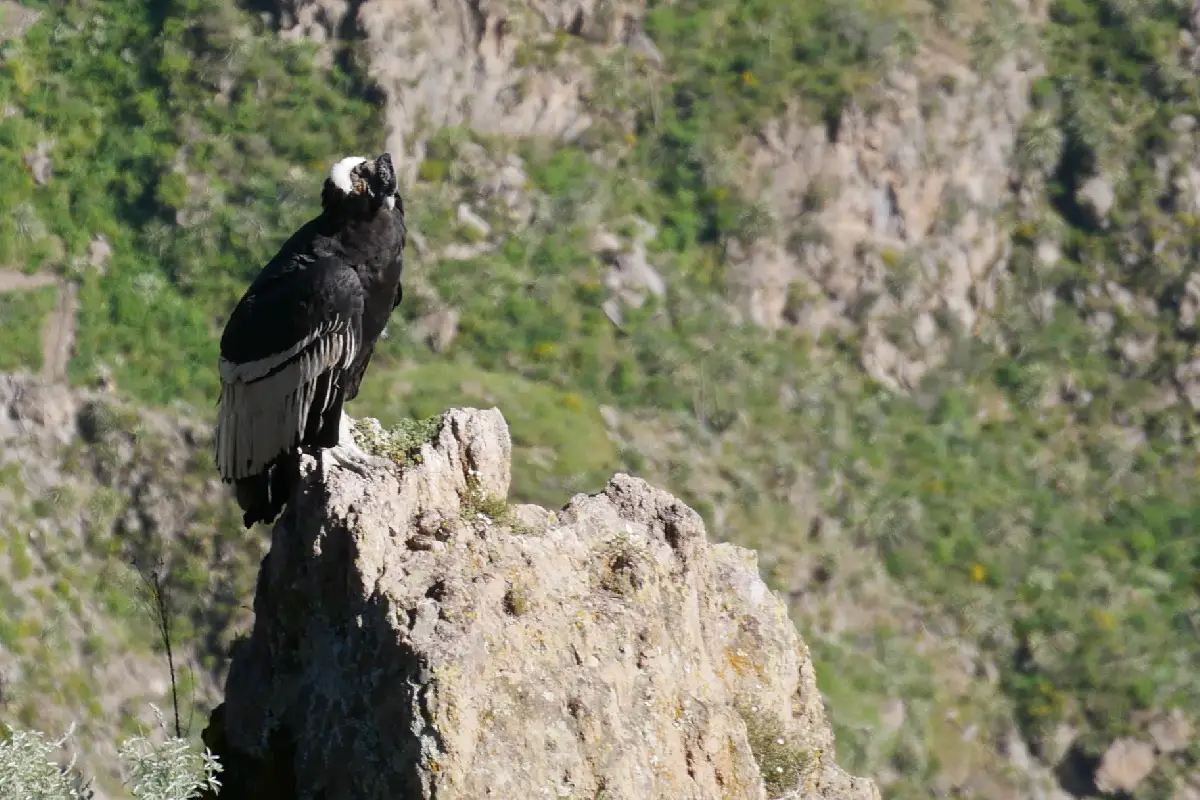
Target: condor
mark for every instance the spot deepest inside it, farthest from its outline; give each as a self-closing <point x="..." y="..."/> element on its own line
<point x="297" y="344"/>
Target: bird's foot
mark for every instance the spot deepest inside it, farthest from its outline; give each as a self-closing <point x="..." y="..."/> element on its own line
<point x="348" y="455"/>
<point x="360" y="464"/>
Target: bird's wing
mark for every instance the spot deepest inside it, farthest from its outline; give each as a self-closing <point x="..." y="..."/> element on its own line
<point x="281" y="338"/>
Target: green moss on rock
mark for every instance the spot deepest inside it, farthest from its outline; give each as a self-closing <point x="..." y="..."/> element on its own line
<point x="402" y="442"/>
<point x="782" y="763"/>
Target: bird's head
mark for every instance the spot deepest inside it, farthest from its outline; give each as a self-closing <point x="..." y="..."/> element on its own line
<point x="360" y="187"/>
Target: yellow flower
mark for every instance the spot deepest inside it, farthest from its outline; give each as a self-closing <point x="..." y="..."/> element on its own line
<point x="544" y="349"/>
<point x="1026" y="230"/>
<point x="630" y="139"/>
<point x="1104" y="618"/>
<point x="889" y="257"/>
<point x="748" y="78"/>
<point x="978" y="573"/>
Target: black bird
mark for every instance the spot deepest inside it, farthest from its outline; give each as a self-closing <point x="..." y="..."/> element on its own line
<point x="297" y="344"/>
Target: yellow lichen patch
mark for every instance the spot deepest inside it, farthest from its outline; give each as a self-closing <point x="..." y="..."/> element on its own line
<point x="743" y="664"/>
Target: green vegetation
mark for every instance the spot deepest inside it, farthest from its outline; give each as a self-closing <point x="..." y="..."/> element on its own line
<point x="479" y="506"/>
<point x="22" y="317"/>
<point x="144" y="137"/>
<point x="783" y="764"/>
<point x="18" y="555"/>
<point x="402" y="443"/>
<point x="733" y="65"/>
<point x="516" y="601"/>
<point x="194" y="141"/>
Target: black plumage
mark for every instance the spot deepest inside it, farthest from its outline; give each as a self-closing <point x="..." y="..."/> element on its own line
<point x="297" y="344"/>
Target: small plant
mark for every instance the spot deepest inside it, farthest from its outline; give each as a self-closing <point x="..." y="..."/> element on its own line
<point x="625" y="569"/>
<point x="516" y="601"/>
<point x="27" y="768"/>
<point x="172" y="770"/>
<point x="98" y="420"/>
<point x="783" y="764"/>
<point x="479" y="505"/>
<point x="22" y="316"/>
<point x="157" y="597"/>
<point x="402" y="443"/>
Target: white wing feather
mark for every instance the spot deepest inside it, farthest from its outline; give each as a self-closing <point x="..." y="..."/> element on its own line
<point x="262" y="414"/>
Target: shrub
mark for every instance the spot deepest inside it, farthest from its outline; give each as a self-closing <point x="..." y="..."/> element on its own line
<point x="170" y="770"/>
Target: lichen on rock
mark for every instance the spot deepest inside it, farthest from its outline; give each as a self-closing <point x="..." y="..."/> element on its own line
<point x="404" y="648"/>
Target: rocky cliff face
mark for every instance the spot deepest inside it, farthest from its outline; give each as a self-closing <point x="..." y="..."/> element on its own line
<point x="472" y="63"/>
<point x="417" y="636"/>
<point x="890" y="226"/>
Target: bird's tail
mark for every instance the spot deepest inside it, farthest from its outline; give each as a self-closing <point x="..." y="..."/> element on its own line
<point x="263" y="496"/>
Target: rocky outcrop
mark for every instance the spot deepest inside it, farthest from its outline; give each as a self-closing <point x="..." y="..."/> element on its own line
<point x="15" y="19"/>
<point x="1126" y="763"/>
<point x="416" y="636"/>
<point x="889" y="223"/>
<point x="498" y="67"/>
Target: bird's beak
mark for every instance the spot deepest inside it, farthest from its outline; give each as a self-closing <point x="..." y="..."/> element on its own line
<point x="390" y="201"/>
